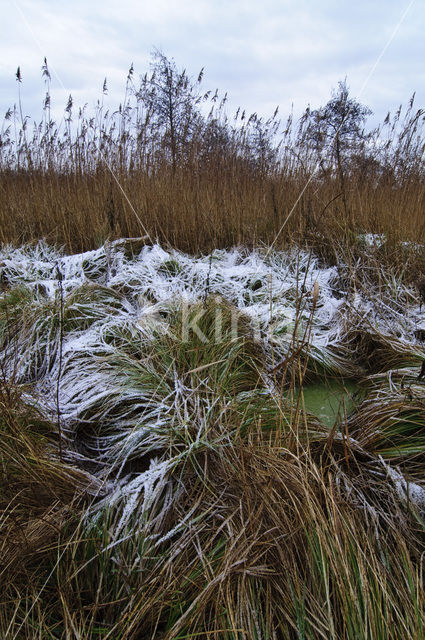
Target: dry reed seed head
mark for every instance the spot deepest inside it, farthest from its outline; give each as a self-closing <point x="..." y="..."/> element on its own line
<point x="315" y="293"/>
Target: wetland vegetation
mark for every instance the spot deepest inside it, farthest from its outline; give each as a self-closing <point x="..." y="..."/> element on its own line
<point x="211" y="334"/>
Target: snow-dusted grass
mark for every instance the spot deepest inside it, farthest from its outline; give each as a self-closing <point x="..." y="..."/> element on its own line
<point x="273" y="290"/>
<point x="192" y="495"/>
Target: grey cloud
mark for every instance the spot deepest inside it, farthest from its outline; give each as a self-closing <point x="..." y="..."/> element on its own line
<point x="262" y="53"/>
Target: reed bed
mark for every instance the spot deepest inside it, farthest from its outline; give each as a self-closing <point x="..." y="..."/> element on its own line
<point x="169" y="160"/>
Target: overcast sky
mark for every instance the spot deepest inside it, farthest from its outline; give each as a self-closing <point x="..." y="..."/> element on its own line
<point x="264" y="53"/>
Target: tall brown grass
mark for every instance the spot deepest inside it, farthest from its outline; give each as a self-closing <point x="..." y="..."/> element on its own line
<point x="198" y="181"/>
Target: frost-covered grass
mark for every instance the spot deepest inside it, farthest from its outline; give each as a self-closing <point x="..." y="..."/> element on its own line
<point x="160" y="475"/>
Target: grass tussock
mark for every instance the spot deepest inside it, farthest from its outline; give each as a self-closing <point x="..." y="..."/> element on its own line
<point x="243" y="538"/>
<point x="390" y="422"/>
<point x="228" y="513"/>
<point x="40" y="494"/>
<point x="33" y="324"/>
